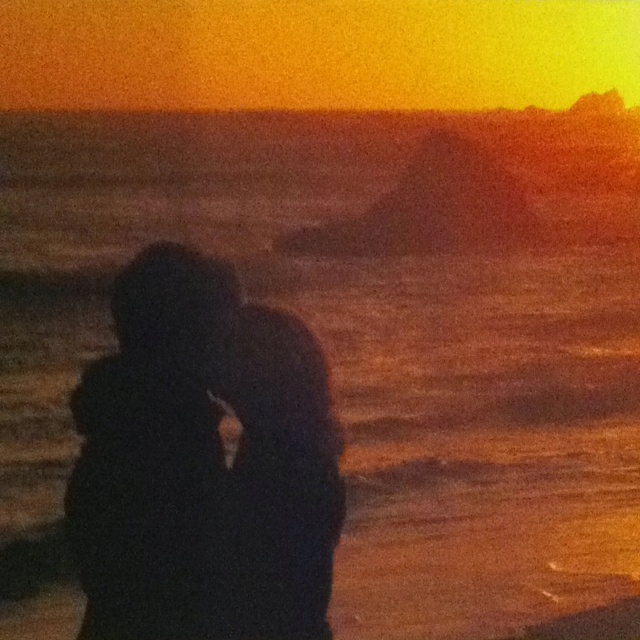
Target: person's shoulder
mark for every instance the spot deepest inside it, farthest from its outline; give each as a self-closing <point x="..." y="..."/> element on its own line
<point x="102" y="370"/>
<point x="94" y="396"/>
<point x="100" y="376"/>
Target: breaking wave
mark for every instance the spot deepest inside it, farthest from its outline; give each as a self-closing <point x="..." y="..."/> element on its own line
<point x="565" y="404"/>
<point x="431" y="471"/>
<point x="261" y="276"/>
<point x="29" y="563"/>
<point x="35" y="286"/>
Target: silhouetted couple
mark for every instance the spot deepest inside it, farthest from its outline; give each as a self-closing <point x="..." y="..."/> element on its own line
<point x="170" y="543"/>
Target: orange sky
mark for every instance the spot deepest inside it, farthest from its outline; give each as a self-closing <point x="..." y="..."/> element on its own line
<point x="311" y="54"/>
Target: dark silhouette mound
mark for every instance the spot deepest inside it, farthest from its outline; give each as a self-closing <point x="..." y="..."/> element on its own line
<point x="453" y="197"/>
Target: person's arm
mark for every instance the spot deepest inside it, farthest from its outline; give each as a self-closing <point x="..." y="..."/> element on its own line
<point x="315" y="519"/>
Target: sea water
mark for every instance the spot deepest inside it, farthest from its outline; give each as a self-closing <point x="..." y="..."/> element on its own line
<point x="490" y="403"/>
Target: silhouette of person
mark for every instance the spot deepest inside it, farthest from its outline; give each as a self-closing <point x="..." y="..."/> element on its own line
<point x="288" y="499"/>
<point x="143" y="504"/>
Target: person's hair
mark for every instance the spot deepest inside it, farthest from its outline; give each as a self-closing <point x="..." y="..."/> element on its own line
<point x="281" y="382"/>
<point x="170" y="294"/>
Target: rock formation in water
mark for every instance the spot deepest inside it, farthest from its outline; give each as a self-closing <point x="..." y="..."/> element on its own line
<point x="609" y="103"/>
<point x="454" y="196"/>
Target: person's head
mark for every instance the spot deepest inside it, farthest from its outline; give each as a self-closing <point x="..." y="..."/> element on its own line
<point x="170" y="299"/>
<point x="278" y="382"/>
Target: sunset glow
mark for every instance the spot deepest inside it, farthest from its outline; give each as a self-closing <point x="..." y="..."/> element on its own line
<point x="347" y="54"/>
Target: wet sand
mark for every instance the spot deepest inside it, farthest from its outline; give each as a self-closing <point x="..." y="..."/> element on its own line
<point x="384" y="589"/>
<point x="57" y="613"/>
<point x="394" y="583"/>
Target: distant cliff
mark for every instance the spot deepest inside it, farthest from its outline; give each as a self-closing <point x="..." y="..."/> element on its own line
<point x="609" y="103"/>
<point x="454" y="196"/>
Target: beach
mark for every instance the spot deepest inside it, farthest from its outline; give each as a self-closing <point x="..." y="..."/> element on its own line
<point x="490" y="401"/>
<point x="57" y="615"/>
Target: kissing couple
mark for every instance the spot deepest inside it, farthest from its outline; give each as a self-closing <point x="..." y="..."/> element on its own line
<point x="169" y="543"/>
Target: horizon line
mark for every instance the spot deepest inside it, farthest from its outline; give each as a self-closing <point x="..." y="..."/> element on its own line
<point x="284" y="111"/>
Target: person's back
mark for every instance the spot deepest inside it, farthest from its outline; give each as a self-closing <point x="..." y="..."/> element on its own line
<point x="289" y="501"/>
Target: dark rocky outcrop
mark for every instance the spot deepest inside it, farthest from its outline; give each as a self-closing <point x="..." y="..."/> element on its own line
<point x="454" y="196"/>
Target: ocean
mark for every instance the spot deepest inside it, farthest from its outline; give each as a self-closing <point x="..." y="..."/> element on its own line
<point x="490" y="402"/>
